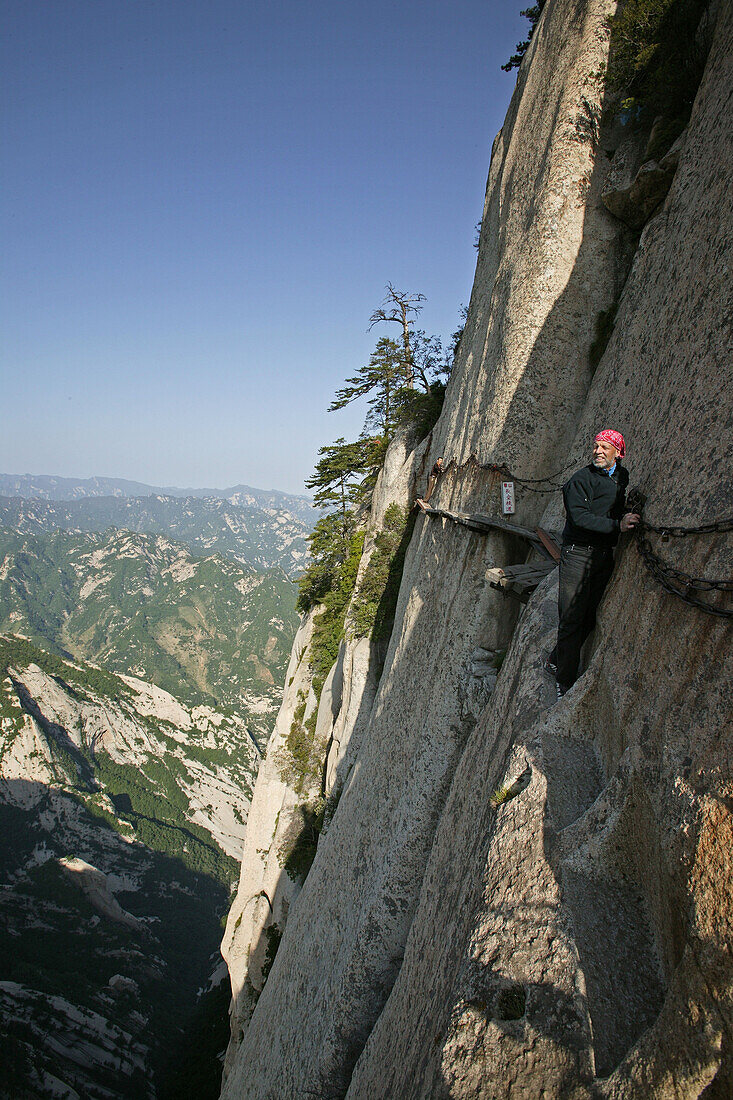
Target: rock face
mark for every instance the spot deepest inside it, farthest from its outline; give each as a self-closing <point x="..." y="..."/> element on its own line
<point x="575" y="939"/>
<point x="284" y="797"/>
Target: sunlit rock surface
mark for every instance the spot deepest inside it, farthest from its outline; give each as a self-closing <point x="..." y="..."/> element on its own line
<point x="572" y="941"/>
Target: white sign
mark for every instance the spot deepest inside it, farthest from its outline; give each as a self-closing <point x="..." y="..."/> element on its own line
<point x="507" y="498"/>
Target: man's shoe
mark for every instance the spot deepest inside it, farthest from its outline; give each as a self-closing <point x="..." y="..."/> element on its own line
<point x="561" y="689"/>
<point x="551" y="667"/>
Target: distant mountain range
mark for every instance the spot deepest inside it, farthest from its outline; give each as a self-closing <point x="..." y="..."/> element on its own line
<point x="207" y="629"/>
<point x="50" y="487"/>
<point x="253" y="535"/>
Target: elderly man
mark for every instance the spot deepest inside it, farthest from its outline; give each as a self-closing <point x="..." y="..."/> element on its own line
<point x="595" y="499"/>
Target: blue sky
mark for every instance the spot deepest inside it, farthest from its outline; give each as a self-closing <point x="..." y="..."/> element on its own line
<point x="203" y="202"/>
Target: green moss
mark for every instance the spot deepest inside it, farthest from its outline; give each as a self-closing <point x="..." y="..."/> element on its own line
<point x="375" y="602"/>
<point x="298" y="848"/>
<point x="656" y="57"/>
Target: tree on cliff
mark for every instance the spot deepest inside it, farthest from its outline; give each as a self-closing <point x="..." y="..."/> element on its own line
<point x="398" y="307"/>
<point x="533" y="14"/>
<point x="383" y="376"/>
<point x="337" y="477"/>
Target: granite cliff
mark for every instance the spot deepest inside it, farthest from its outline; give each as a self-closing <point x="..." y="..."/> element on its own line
<point x="571" y="938"/>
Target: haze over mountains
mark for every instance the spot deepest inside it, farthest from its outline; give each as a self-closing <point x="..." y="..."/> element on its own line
<point x="262" y="529"/>
<point x="51" y="487"/>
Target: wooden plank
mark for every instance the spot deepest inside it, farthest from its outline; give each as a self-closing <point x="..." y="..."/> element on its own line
<point x="549" y="543"/>
<point x="480" y="522"/>
<point x="532" y="569"/>
<point x="500" y="524"/>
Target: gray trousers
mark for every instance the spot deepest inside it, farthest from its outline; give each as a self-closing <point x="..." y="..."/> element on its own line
<point x="584" y="574"/>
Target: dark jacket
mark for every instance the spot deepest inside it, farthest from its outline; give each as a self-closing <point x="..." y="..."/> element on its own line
<point x="594" y="506"/>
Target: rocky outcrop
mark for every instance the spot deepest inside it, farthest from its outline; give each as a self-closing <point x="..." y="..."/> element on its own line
<point x="128" y="731"/>
<point x="633" y="191"/>
<point x="286" y="799"/>
<point x="94" y="884"/>
<point x="359" y="665"/>
<point x="570" y="937"/>
<point x="266" y="891"/>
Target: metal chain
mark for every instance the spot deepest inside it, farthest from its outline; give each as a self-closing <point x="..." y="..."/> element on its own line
<point x="673" y="580"/>
<point x="677" y="531"/>
<point x="528" y="483"/>
<point x="669" y="578"/>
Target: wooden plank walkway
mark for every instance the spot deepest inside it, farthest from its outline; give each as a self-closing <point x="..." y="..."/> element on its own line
<point x="518" y="581"/>
<point x="479" y="522"/>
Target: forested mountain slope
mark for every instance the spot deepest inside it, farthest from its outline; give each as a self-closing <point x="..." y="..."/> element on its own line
<point x="122" y="813"/>
<point x="207" y="629"/>
<point x="253" y="536"/>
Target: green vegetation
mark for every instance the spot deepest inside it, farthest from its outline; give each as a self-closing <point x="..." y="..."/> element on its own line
<point x="375" y="602"/>
<point x="79" y="679"/>
<point x="151" y="800"/>
<point x="328" y="626"/>
<point x="207" y="630"/>
<point x="533" y="14"/>
<point x="338" y="478"/>
<point x="404" y="385"/>
<point x="657" y="59"/>
<point x="55" y="943"/>
<point x="252" y="535"/>
<point x="297" y="760"/>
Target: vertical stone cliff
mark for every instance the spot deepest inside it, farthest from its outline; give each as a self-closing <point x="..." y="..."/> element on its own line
<point x="574" y="941"/>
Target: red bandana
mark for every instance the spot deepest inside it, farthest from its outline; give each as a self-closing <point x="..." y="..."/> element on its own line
<point x="608" y="435"/>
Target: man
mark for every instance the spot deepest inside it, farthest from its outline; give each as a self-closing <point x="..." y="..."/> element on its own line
<point x="595" y="499"/>
<point x="435" y="473"/>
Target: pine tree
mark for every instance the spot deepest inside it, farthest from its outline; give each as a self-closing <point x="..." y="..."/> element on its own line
<point x="397" y="307"/>
<point x="337" y="477"/>
<point x="383" y="376"/>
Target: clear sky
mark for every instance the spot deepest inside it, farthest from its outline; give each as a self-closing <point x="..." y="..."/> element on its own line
<point x="202" y="203"/>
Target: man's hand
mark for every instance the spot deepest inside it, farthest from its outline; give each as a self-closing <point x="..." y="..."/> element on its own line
<point x="629" y="520"/>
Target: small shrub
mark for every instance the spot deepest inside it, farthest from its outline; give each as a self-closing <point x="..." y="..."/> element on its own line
<point x="420" y="409"/>
<point x="375" y="602"/>
<point x="298" y="848"/>
<point x="297" y="761"/>
<point x="656" y="57"/>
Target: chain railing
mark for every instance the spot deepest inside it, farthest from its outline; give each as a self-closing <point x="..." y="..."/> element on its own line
<point x="673" y="580"/>
<point x="531" y="484"/>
